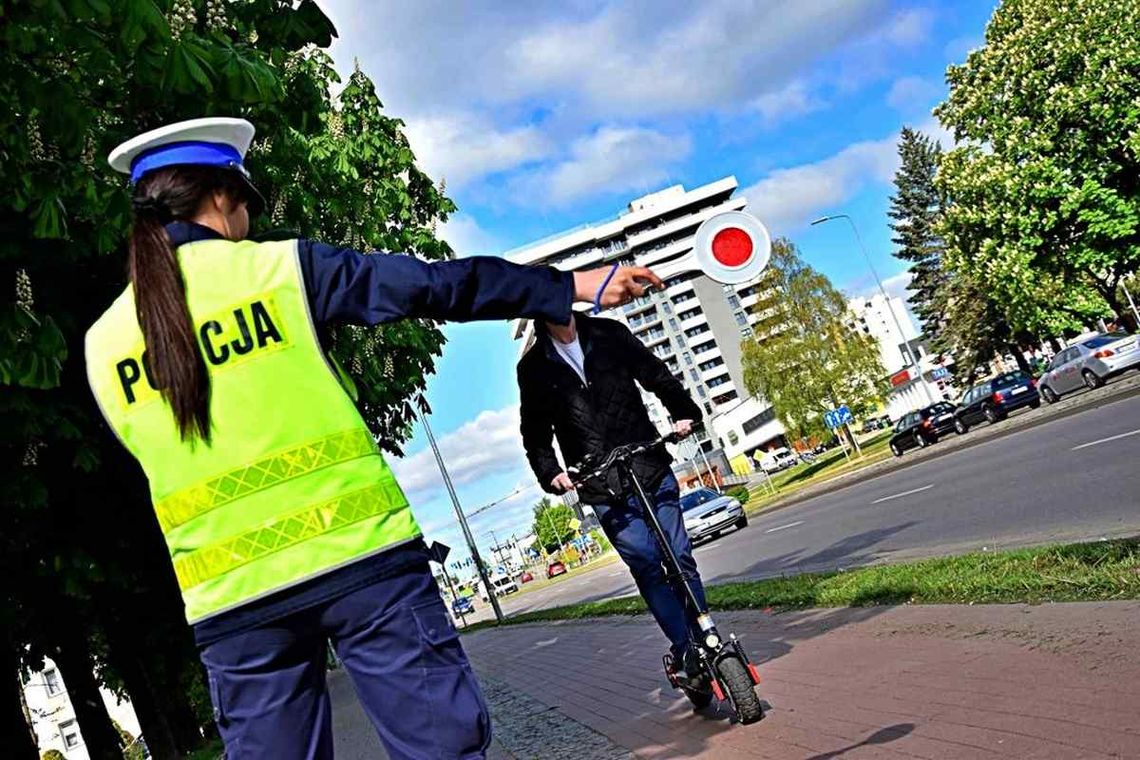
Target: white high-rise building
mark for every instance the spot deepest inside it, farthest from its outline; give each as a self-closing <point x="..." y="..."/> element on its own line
<point x="695" y="325"/>
<point x="872" y="316"/>
<point x="912" y="373"/>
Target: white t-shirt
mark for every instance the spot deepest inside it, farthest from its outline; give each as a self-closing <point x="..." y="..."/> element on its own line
<point x="571" y="353"/>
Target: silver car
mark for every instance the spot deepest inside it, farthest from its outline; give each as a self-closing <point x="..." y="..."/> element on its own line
<point x="708" y="513"/>
<point x="1089" y="363"/>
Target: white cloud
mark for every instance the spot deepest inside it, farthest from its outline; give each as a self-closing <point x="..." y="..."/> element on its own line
<point x="790" y="198"/>
<point x="466" y="237"/>
<point x="908" y="28"/>
<point x="463" y="147"/>
<point x="551" y="71"/>
<point x="795" y="99"/>
<point x="612" y="159"/>
<point x="486" y="445"/>
<point x="655" y="58"/>
<point x="897" y="285"/>
<point x="911" y="94"/>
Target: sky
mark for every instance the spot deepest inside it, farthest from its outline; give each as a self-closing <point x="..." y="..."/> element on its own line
<point x="544" y="115"/>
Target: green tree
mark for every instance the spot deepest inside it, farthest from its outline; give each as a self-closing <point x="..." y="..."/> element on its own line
<point x="1045" y="187"/>
<point x="552" y="524"/>
<point x="915" y="210"/>
<point x="805" y="359"/>
<point x="959" y="315"/>
<point x="84" y="577"/>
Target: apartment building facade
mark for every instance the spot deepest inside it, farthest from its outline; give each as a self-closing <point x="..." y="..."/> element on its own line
<point x="695" y="325"/>
<point x="52" y="715"/>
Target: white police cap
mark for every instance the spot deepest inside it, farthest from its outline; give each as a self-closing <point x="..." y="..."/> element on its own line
<point x="214" y="141"/>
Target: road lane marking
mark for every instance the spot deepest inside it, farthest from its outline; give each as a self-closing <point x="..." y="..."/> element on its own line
<point x="904" y="493"/>
<point x="1106" y="440"/>
<point x="789" y="525"/>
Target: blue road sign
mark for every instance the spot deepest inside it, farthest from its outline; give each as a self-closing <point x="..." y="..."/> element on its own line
<point x="837" y="417"/>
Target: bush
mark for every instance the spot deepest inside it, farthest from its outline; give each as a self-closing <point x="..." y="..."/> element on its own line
<point x="601" y="540"/>
<point x="53" y="754"/>
<point x="740" y="493"/>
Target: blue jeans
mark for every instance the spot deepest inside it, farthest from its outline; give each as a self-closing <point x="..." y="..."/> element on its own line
<point x="635" y="543"/>
<point x="398" y="644"/>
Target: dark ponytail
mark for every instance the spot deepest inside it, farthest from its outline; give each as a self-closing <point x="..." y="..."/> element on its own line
<point x="173" y="357"/>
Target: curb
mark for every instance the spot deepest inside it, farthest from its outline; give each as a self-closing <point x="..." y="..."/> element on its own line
<point x="1111" y="394"/>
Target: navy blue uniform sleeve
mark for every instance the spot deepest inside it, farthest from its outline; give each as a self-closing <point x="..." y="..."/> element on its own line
<point x="344" y="285"/>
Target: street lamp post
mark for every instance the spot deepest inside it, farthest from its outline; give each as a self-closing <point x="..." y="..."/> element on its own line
<point x="462" y="520"/>
<point x="909" y="355"/>
<point x="1128" y="295"/>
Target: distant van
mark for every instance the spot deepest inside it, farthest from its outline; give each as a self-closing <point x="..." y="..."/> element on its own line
<point x="503" y="585"/>
<point x="778" y="459"/>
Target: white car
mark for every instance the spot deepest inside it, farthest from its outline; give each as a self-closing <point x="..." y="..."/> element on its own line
<point x="503" y="585"/>
<point x="1088" y="363"/>
<point x="708" y="513"/>
<point x="778" y="459"/>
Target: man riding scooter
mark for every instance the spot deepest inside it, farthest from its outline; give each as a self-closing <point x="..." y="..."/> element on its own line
<point x="578" y="383"/>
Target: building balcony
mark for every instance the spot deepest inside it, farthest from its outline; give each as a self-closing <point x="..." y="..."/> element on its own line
<point x="673" y="227"/>
<point x="643" y="319"/>
<point x="706" y="352"/>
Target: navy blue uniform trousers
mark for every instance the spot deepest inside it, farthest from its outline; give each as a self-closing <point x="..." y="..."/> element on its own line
<point x="625" y="526"/>
<point x="398" y="644"/>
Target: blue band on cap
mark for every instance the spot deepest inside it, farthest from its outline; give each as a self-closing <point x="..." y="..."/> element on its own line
<point x="172" y="154"/>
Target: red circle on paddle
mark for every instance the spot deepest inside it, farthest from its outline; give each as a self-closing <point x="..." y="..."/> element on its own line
<point x="732" y="246"/>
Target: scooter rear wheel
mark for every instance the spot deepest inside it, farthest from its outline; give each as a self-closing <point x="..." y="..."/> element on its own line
<point x="740" y="690"/>
<point x="700" y="698"/>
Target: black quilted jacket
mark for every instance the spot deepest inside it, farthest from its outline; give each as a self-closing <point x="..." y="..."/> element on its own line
<point x="595" y="417"/>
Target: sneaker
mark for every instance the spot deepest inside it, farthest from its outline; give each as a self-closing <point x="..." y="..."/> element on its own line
<point x="688" y="670"/>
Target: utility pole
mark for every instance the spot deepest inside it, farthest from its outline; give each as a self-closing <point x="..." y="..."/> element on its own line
<point x="462" y="519"/>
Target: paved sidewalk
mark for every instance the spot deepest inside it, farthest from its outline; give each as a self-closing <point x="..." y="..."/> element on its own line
<point x="1011" y="681"/>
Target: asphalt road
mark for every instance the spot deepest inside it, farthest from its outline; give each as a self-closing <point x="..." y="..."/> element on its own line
<point x="1058" y="481"/>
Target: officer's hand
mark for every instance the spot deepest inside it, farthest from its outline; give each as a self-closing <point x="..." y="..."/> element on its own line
<point x="562" y="482"/>
<point x="627" y="284"/>
<point x="683" y="428"/>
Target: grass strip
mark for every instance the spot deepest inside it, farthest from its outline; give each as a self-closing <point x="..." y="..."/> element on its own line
<point x="1105" y="570"/>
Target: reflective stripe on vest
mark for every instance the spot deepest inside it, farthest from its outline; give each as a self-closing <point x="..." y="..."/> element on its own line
<point x="292" y="483"/>
<point x="214" y="560"/>
<point x="189" y="503"/>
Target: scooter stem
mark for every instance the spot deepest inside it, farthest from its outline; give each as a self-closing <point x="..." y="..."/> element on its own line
<point x="666" y="547"/>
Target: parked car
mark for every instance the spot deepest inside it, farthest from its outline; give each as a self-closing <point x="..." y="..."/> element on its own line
<point x="502" y="584"/>
<point x="778" y="459"/>
<point x="708" y="513"/>
<point x="526" y="577"/>
<point x="462" y="605"/>
<point x="871" y="425"/>
<point x="994" y="399"/>
<point x="1089" y="363"/>
<point x="921" y="428"/>
<point x="554" y="569"/>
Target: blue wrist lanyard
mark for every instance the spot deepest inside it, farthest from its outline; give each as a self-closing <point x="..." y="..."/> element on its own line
<point x="602" y="289"/>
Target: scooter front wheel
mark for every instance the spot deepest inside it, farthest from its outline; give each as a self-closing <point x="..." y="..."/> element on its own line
<point x="734" y="675"/>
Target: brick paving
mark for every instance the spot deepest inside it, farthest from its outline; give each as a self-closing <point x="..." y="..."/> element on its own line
<point x="1002" y="681"/>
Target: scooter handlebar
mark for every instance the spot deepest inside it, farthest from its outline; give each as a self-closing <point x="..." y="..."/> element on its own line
<point x="581" y="475"/>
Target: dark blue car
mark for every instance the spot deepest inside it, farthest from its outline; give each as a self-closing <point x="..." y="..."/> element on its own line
<point x="992" y="401"/>
<point x="462" y="605"/>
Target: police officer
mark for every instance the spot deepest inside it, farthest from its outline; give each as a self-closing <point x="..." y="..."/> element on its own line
<point x="284" y="523"/>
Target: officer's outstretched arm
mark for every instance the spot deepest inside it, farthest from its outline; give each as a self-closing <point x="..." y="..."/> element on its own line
<point x="348" y="286"/>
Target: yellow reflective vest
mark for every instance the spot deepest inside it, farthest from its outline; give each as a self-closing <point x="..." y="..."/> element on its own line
<point x="292" y="484"/>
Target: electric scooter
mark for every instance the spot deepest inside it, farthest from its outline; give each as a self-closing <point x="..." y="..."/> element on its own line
<point x="726" y="673"/>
